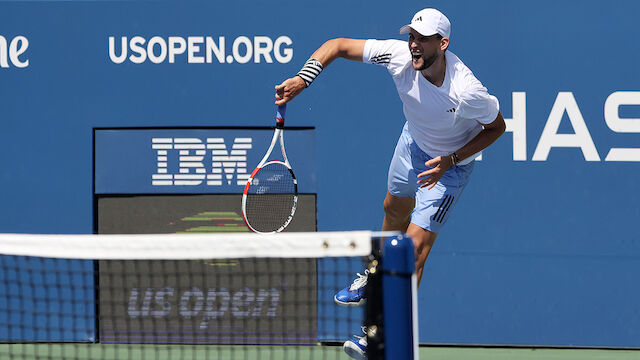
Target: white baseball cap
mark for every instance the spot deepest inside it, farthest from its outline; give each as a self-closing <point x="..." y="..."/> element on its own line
<point x="428" y="22"/>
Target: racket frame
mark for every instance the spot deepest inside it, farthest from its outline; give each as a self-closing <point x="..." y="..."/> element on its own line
<point x="277" y="137"/>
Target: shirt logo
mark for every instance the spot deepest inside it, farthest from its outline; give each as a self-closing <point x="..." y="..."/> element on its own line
<point x="452" y="110"/>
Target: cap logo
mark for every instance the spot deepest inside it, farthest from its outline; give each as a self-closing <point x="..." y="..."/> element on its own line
<point x="419" y="18"/>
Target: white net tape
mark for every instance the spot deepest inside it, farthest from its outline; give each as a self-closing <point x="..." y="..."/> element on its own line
<point x="188" y="246"/>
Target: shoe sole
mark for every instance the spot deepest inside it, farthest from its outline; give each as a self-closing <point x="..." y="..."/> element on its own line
<point x="354" y="351"/>
<point x="350" y="304"/>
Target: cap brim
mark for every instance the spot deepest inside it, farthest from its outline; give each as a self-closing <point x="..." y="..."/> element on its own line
<point x="405" y="29"/>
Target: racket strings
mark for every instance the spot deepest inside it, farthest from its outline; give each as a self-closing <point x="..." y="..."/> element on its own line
<point x="271" y="198"/>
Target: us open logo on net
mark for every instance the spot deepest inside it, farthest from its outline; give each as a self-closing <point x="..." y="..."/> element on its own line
<point x="194" y="161"/>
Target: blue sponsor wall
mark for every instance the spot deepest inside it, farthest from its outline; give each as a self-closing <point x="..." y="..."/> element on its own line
<point x="542" y="249"/>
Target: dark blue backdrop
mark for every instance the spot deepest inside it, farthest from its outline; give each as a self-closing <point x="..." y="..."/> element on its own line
<point x="538" y="252"/>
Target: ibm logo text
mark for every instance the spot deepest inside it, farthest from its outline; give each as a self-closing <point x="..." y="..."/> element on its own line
<point x="208" y="162"/>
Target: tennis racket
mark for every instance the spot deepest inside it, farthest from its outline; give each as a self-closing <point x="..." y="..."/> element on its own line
<point x="270" y="196"/>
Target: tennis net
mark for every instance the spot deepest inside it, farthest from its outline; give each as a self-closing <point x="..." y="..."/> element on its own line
<point x="202" y="296"/>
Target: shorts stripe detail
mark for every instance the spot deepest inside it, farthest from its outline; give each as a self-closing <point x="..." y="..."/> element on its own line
<point x="444" y="207"/>
<point x="446" y="197"/>
<point x="446" y="210"/>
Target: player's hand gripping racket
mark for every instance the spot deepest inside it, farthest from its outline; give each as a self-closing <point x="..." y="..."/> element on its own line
<point x="271" y="193"/>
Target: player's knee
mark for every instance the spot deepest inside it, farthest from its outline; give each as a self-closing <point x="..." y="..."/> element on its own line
<point x="387" y="204"/>
<point x="395" y="210"/>
<point x="422" y="239"/>
<point x="422" y="249"/>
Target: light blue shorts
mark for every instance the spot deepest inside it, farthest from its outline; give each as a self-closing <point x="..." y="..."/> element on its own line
<point x="433" y="206"/>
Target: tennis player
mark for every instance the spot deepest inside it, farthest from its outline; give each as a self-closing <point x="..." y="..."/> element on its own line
<point x="450" y="119"/>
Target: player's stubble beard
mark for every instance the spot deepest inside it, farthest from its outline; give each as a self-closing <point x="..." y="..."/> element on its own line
<point x="426" y="62"/>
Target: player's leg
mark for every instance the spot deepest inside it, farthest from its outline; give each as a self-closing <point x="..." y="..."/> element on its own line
<point x="423" y="241"/>
<point x="398" y="204"/>
<point x="397" y="217"/>
<point x="397" y="212"/>
<point x="432" y="210"/>
<point x="401" y="185"/>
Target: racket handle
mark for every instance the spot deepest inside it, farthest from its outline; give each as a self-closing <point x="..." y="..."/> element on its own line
<point x="282" y="109"/>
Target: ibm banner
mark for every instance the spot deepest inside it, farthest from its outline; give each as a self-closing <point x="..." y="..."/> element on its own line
<point x="192" y="161"/>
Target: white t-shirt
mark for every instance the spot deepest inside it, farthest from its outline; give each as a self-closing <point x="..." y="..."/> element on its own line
<point x="440" y="119"/>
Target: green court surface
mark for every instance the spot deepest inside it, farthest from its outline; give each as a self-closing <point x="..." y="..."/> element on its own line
<point x="473" y="353"/>
<point x="208" y="352"/>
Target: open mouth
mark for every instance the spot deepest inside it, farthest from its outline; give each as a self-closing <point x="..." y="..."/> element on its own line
<point x="416" y="56"/>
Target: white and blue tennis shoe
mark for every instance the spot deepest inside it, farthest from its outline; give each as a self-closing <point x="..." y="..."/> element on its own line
<point x="353" y="295"/>
<point x="356" y="347"/>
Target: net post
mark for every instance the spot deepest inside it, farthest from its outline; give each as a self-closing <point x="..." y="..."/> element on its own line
<point x="374" y="319"/>
<point x="399" y="285"/>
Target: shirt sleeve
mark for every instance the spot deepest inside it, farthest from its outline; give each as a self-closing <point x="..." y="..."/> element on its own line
<point x="477" y="104"/>
<point x="475" y="101"/>
<point x="392" y="54"/>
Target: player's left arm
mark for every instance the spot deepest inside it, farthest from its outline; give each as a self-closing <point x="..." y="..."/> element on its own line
<point x="441" y="164"/>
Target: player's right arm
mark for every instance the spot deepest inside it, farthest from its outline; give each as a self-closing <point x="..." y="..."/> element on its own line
<point x="351" y="49"/>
